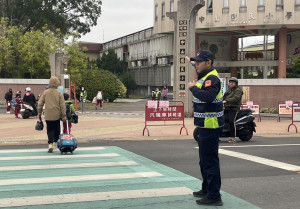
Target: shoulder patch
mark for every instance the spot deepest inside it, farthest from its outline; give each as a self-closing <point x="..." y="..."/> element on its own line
<point x="207" y="83"/>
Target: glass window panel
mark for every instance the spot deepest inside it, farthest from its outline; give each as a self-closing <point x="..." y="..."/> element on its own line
<point x="225" y="3"/>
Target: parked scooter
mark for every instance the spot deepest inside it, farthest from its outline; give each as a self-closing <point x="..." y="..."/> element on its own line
<point x="27" y="111"/>
<point x="245" y="126"/>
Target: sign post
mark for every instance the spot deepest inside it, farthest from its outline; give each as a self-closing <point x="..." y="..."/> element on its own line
<point x="295" y="116"/>
<point x="162" y="111"/>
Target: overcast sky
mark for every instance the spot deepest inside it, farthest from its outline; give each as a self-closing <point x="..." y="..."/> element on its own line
<point x="120" y="18"/>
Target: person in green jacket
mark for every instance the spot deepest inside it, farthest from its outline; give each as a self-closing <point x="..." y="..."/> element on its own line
<point x="83" y="96"/>
<point x="70" y="110"/>
<point x="232" y="101"/>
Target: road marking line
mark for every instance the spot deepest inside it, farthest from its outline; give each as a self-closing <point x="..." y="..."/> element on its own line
<point x="57" y="166"/>
<point x="59" y="156"/>
<point x="43" y="150"/>
<point x="92" y="197"/>
<point x="271" y="145"/>
<point x="264" y="161"/>
<point x="78" y="178"/>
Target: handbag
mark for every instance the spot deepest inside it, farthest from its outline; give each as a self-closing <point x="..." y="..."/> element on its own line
<point x="75" y="118"/>
<point x="94" y="100"/>
<point x="39" y="124"/>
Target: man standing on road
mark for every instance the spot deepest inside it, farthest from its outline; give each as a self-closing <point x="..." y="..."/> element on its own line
<point x="208" y="117"/>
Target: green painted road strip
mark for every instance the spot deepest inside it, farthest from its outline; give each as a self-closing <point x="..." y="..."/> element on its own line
<point x="94" y="178"/>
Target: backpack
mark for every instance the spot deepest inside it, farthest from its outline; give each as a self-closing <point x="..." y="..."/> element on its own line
<point x="99" y="95"/>
<point x="68" y="111"/>
<point x="14" y="102"/>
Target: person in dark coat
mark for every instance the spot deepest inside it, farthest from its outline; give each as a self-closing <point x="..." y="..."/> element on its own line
<point x="8" y="98"/>
<point x="232" y="101"/>
<point x="208" y="117"/>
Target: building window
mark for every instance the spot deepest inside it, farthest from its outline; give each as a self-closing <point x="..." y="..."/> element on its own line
<point x="163" y="11"/>
<point x="225" y="9"/>
<point x="209" y="9"/>
<point x="261" y="6"/>
<point x="297" y="4"/>
<point x="156" y="12"/>
<point x="279" y="5"/>
<point x="243" y="6"/>
<point x="172" y="6"/>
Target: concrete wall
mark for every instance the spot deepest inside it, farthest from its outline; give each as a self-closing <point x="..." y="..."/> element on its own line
<point x="37" y="86"/>
<point x="268" y="92"/>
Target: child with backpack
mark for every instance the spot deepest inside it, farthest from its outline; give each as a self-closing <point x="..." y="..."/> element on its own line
<point x="70" y="111"/>
<point x="99" y="98"/>
<point x="16" y="102"/>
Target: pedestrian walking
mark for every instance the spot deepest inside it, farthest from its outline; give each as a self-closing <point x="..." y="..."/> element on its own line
<point x="55" y="110"/>
<point x="232" y="101"/>
<point x="83" y="96"/>
<point x="70" y="111"/>
<point x="8" y="97"/>
<point x="99" y="98"/>
<point x="208" y="117"/>
<point x="165" y="93"/>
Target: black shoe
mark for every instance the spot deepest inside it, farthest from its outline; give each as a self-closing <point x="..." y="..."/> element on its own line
<point x="206" y="201"/>
<point x="199" y="194"/>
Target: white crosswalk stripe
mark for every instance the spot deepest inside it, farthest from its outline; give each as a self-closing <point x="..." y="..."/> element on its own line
<point x="57" y="166"/>
<point x="88" y="197"/>
<point x="59" y="157"/>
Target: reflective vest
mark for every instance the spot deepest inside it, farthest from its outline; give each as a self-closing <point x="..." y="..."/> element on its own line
<point x="83" y="96"/>
<point x="158" y="94"/>
<point x="208" y="115"/>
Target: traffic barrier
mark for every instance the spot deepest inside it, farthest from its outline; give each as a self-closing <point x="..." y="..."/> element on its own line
<point x="295" y="115"/>
<point x="163" y="111"/>
<point x="285" y="108"/>
<point x="255" y="107"/>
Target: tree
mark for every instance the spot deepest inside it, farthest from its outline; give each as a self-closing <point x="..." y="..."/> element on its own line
<point x="111" y="62"/>
<point x="296" y="68"/>
<point x="128" y="81"/>
<point x="67" y="15"/>
<point x="34" y="49"/>
<point x="6" y="50"/>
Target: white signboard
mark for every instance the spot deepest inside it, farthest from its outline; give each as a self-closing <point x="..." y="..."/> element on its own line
<point x="296" y="114"/>
<point x="255" y="108"/>
<point x="284" y="109"/>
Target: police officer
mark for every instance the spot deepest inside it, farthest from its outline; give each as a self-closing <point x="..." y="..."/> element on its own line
<point x="83" y="96"/>
<point x="208" y="117"/>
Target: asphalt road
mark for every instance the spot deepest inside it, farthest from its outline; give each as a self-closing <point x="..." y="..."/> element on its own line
<point x="260" y="184"/>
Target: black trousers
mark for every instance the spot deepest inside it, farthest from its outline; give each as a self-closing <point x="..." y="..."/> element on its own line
<point x="53" y="130"/>
<point x="209" y="161"/>
<point x="230" y="117"/>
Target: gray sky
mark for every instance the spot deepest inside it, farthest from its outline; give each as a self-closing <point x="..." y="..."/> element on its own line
<point x="120" y="18"/>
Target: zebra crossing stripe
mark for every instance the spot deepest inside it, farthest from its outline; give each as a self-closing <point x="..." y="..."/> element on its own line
<point x="43" y="150"/>
<point x="57" y="166"/>
<point x="59" y="156"/>
<point x="78" y="178"/>
<point x="91" y="197"/>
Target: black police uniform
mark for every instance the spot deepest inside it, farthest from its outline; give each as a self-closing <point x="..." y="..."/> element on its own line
<point x="208" y="141"/>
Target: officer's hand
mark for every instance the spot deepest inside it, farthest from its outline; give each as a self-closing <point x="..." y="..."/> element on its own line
<point x="224" y="101"/>
<point x="191" y="84"/>
<point x="64" y="119"/>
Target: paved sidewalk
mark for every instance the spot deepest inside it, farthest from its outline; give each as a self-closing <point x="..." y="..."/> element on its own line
<point x="122" y="122"/>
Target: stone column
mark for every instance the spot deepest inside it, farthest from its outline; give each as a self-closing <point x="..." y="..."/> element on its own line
<point x="184" y="45"/>
<point x="282" y="52"/>
<point x="58" y="64"/>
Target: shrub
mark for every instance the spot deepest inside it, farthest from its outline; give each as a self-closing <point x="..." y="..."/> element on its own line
<point x="112" y="87"/>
